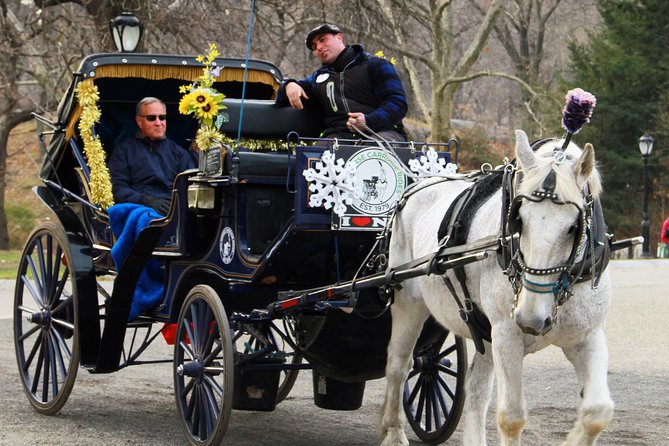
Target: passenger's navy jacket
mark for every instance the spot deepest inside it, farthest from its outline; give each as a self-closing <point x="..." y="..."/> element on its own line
<point x="141" y="167"/>
<point x="355" y="82"/>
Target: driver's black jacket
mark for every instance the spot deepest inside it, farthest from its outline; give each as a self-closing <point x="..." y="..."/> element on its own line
<point x="355" y="82"/>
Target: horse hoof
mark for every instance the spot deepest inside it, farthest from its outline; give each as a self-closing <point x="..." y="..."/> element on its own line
<point x="395" y="437"/>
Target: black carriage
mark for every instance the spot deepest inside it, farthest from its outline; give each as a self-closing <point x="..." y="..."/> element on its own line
<point x="257" y="284"/>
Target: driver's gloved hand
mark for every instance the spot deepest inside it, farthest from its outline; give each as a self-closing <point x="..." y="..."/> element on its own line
<point x="161" y="205"/>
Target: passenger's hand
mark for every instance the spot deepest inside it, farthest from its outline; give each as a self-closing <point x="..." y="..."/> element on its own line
<point x="295" y="93"/>
<point x="356" y="121"/>
<point x="161" y="205"/>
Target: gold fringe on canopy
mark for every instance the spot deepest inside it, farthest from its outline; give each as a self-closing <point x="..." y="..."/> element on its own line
<point x="184" y="73"/>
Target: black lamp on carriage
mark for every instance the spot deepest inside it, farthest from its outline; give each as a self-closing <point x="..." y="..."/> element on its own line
<point x="127" y="31"/>
<point x="645" y="146"/>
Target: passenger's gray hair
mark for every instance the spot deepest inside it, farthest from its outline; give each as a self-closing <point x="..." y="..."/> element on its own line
<point x="146" y="101"/>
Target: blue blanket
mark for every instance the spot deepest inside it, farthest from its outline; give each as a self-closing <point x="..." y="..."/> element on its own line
<point x="126" y="221"/>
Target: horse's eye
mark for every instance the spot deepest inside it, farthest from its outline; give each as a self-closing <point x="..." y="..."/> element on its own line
<point x="571" y="230"/>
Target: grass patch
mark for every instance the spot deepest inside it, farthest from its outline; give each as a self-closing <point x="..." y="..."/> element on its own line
<point x="9" y="263"/>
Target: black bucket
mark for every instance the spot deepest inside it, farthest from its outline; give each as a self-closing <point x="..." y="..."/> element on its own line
<point x="255" y="389"/>
<point x="333" y="394"/>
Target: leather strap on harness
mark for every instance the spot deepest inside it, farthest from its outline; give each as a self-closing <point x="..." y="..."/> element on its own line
<point x="453" y="231"/>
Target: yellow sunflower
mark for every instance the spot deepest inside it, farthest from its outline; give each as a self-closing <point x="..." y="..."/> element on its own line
<point x="185" y="104"/>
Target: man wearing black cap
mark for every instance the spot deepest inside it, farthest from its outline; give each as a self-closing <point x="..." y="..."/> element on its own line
<point x="355" y="91"/>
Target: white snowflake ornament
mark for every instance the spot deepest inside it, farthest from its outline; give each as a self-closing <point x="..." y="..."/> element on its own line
<point x="430" y="165"/>
<point x="332" y="183"/>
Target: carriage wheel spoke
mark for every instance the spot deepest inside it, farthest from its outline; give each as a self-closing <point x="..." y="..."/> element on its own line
<point x="61" y="348"/>
<point x="412" y="396"/>
<point x="42" y="276"/>
<point x="63" y="323"/>
<point x="47" y="367"/>
<point x="421" y="403"/>
<point x="62" y="304"/>
<point x="59" y="289"/>
<point x="212" y="407"/>
<point x="213" y="355"/>
<point x="29" y="333"/>
<point x="447" y="352"/>
<point x="191" y="407"/>
<point x="187" y="388"/>
<point x="35" y="294"/>
<point x="214" y="386"/>
<point x="437" y="404"/>
<point x="447" y="370"/>
<point x="186" y="349"/>
<point x="38" y="366"/>
<point x="444" y="385"/>
<point x="53" y="364"/>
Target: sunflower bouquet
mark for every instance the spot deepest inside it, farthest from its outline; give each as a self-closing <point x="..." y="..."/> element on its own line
<point x="203" y="101"/>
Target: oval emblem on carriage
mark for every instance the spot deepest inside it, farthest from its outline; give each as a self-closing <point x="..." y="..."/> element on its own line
<point x="379" y="180"/>
<point x="226" y="245"/>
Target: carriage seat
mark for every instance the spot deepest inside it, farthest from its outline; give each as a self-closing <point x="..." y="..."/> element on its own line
<point x="263" y="119"/>
<point x="265" y="167"/>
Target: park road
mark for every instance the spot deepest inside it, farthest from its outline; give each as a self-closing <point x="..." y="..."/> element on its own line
<point x="135" y="406"/>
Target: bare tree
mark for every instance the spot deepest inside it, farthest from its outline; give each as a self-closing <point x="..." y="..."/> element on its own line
<point x="15" y="79"/>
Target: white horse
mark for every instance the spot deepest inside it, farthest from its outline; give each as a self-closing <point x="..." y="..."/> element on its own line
<point x="549" y="228"/>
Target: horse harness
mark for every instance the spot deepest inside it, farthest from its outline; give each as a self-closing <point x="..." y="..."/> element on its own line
<point x="590" y="232"/>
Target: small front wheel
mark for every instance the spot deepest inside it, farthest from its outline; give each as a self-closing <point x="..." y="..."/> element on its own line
<point x="46" y="335"/>
<point x="434" y="390"/>
<point x="203" y="367"/>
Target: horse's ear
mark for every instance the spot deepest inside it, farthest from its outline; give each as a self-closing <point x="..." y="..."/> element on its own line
<point x="524" y="152"/>
<point x="586" y="163"/>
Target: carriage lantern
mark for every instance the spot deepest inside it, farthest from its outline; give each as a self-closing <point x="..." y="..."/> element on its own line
<point x="127" y="31"/>
<point x="645" y="146"/>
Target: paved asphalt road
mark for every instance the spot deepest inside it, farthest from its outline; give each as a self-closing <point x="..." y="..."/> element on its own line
<point x="136" y="406"/>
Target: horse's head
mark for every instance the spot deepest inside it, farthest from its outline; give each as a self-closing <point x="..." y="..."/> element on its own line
<point x="549" y="211"/>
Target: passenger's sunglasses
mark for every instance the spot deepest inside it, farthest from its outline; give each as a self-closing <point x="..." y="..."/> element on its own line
<point x="152" y="118"/>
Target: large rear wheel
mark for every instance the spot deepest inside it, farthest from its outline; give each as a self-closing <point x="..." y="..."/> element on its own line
<point x="46" y="335"/>
<point x="434" y="390"/>
<point x="203" y="367"/>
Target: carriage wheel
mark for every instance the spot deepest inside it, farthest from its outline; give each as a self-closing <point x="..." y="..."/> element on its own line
<point x="203" y="367"/>
<point x="45" y="320"/>
<point x="434" y="389"/>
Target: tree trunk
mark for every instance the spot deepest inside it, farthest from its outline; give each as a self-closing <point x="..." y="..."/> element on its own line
<point x="7" y="123"/>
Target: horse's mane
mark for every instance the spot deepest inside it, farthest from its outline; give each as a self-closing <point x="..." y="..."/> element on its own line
<point x="567" y="187"/>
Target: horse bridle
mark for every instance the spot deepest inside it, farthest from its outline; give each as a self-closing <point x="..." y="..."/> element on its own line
<point x="568" y="272"/>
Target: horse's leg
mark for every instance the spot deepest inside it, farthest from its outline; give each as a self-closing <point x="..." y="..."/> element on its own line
<point x="590" y="360"/>
<point x="478" y="389"/>
<point x="408" y="319"/>
<point x="508" y="354"/>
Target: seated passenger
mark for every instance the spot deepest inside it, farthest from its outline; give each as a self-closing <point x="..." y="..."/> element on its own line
<point x="143" y="167"/>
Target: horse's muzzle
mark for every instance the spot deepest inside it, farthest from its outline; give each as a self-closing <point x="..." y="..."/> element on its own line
<point x="535" y="327"/>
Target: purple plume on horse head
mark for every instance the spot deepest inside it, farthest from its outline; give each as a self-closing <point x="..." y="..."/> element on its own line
<point x="576" y="113"/>
<point x="578" y="109"/>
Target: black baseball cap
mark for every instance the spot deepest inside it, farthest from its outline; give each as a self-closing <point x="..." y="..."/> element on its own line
<point x="322" y="29"/>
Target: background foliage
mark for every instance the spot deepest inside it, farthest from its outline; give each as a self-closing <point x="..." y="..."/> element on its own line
<point x="623" y="62"/>
<point x="475" y="69"/>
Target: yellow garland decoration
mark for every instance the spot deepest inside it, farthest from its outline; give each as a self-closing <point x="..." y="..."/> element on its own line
<point x="258" y="145"/>
<point x="100" y="180"/>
